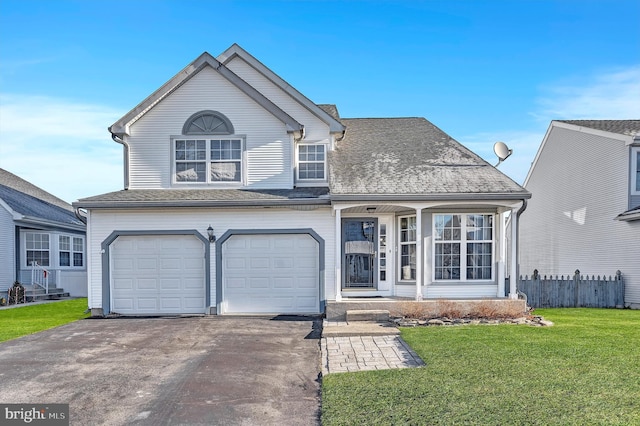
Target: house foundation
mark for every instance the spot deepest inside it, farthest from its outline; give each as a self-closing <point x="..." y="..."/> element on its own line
<point x="432" y="308"/>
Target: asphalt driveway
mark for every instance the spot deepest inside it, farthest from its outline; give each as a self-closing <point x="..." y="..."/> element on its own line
<point x="166" y="371"/>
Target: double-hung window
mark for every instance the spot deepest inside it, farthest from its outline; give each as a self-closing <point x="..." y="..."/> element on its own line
<point x="311" y="162"/>
<point x="208" y="160"/>
<point x="407" y="240"/>
<point x="71" y="251"/>
<point x="37" y="248"/>
<point x="635" y="170"/>
<point x="463" y="247"/>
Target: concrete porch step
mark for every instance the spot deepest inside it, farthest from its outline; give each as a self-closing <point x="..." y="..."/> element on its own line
<point x="50" y="296"/>
<point x="358" y="328"/>
<point x="372" y="315"/>
<point x="34" y="293"/>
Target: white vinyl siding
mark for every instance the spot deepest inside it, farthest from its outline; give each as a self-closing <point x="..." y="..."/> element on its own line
<point x="103" y="222"/>
<point x="315" y="129"/>
<point x="7" y="250"/>
<point x="580" y="183"/>
<point x="268" y="146"/>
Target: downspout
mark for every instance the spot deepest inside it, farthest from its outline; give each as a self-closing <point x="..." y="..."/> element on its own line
<point x="298" y="135"/>
<point x="518" y="213"/>
<point x="122" y="142"/>
<point x="81" y="214"/>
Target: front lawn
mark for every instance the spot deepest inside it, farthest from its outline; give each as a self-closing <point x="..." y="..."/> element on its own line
<point x="583" y="370"/>
<point x="29" y="319"/>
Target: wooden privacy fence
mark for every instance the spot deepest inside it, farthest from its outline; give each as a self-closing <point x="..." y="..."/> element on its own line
<point x="575" y="291"/>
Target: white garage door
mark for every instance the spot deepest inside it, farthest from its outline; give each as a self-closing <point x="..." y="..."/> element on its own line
<point x="272" y="273"/>
<point x="162" y="274"/>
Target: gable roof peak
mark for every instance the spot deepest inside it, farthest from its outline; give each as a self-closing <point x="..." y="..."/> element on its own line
<point x="235" y="50"/>
<point x="120" y="127"/>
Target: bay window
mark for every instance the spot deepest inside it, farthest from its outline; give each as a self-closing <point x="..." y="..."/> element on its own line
<point x="463" y="247"/>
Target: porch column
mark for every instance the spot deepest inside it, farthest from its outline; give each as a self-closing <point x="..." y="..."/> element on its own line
<point x="513" y="270"/>
<point x="502" y="252"/>
<point x="338" y="255"/>
<point x="419" y="251"/>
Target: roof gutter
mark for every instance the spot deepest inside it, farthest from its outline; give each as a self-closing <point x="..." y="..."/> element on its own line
<point x="431" y="197"/>
<point x="201" y="203"/>
<point x="122" y="142"/>
<point x="50" y="223"/>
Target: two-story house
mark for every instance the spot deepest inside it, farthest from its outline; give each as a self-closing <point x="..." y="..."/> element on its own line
<point x="243" y="196"/>
<point x="585" y="209"/>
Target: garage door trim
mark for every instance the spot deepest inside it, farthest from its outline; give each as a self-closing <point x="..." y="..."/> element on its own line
<point x="231" y="232"/>
<point x="106" y="268"/>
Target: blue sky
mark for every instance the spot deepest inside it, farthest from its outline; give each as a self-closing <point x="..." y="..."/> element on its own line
<point x="482" y="71"/>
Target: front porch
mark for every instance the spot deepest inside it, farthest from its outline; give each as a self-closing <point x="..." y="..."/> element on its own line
<point x="447" y="249"/>
<point x="428" y="308"/>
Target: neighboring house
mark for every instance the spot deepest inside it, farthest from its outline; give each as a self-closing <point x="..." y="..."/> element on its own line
<point x="38" y="228"/>
<point x="305" y="207"/>
<point x="585" y="209"/>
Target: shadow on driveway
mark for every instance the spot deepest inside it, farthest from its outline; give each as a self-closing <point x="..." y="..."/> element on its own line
<point x="171" y="370"/>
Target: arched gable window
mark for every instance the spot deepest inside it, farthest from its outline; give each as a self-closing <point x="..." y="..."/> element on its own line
<point x="208" y="123"/>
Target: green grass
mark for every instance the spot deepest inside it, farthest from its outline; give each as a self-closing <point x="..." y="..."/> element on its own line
<point x="584" y="370"/>
<point x="31" y="319"/>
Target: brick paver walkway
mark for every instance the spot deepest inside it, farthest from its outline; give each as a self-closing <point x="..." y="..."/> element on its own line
<point x="358" y="353"/>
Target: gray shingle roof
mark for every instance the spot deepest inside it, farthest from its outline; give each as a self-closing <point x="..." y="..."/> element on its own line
<point x="207" y="197"/>
<point x="409" y="156"/>
<point x="36" y="208"/>
<point x="12" y="181"/>
<point x="623" y="127"/>
<point x="330" y="109"/>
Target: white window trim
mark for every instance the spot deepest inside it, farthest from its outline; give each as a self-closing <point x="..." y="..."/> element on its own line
<point x="635" y="151"/>
<point x="54" y="250"/>
<point x="50" y="249"/>
<point x="208" y="161"/>
<point x="463" y="249"/>
<point x="311" y="182"/>
<point x="71" y="252"/>
<point x="400" y="244"/>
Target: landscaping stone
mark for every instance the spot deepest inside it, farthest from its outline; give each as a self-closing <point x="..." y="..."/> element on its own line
<point x="531" y="320"/>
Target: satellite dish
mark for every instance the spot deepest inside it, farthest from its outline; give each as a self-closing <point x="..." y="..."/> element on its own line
<point x="502" y="151"/>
